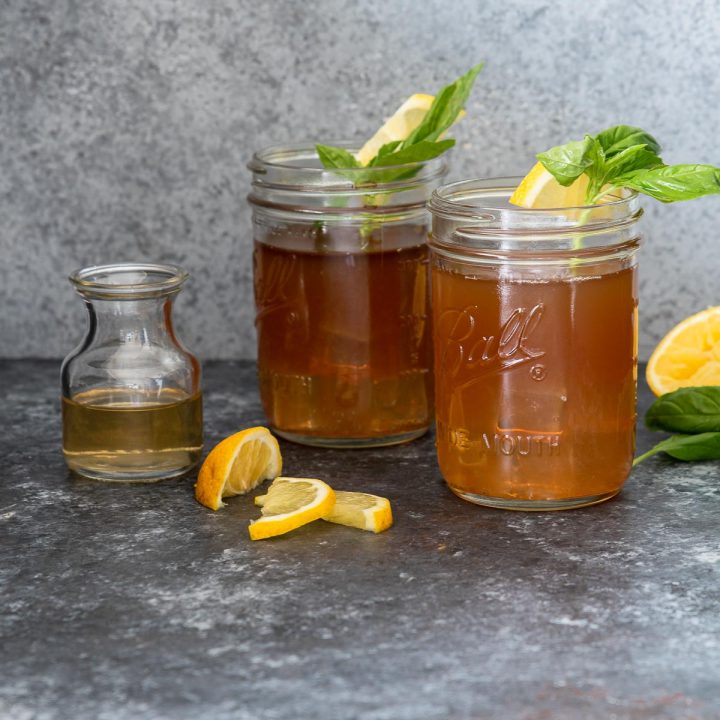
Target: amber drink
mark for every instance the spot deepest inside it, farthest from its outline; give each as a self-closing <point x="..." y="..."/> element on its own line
<point x="342" y="300"/>
<point x="535" y="337"/>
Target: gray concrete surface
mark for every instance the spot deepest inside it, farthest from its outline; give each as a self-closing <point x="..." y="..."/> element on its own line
<point x="125" y="127"/>
<point x="123" y="602"/>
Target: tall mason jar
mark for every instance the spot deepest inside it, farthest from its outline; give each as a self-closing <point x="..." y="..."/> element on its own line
<point x="342" y="298"/>
<point x="535" y="337"/>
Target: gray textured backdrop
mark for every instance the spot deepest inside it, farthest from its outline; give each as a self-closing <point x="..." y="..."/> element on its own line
<point x="125" y="126"/>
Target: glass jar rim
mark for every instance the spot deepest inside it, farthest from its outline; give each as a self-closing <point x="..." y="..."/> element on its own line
<point x="450" y="202"/>
<point x="297" y="165"/>
<point x="128" y="280"/>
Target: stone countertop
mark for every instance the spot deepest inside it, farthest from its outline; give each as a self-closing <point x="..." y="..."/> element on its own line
<point x="124" y="602"/>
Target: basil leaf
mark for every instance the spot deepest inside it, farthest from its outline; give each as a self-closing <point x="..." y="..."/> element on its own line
<point x="445" y="109"/>
<point x="627" y="157"/>
<point x="336" y="157"/>
<point x="636" y="157"/>
<point x="705" y="446"/>
<point x="387" y="148"/>
<point x="687" y="410"/>
<point x="671" y="183"/>
<point x="422" y="144"/>
<point x="380" y="169"/>
<point x="566" y="163"/>
<point x="596" y="171"/>
<point x="603" y="171"/>
<point x="418" y="152"/>
<point x="618" y="138"/>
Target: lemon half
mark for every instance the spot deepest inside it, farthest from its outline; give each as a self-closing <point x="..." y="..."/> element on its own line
<point x="688" y="356"/>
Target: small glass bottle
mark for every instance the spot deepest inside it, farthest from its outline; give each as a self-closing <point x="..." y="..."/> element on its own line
<point x="342" y="298"/>
<point x="535" y="335"/>
<point x="131" y="396"/>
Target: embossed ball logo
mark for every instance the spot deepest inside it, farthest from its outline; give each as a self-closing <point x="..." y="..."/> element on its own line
<point x="469" y="347"/>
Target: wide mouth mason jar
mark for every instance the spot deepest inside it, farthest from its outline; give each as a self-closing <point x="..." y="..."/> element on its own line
<point x="535" y="337"/>
<point x="342" y="297"/>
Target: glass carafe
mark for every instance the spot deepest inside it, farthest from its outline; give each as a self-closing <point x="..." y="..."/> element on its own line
<point x="131" y="395"/>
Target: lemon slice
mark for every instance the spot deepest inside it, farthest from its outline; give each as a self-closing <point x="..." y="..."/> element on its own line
<point x="361" y="510"/>
<point x="405" y="119"/>
<point x="237" y="465"/>
<point x="291" y="503"/>
<point x="688" y="356"/>
<point x="355" y="509"/>
<point x="539" y="189"/>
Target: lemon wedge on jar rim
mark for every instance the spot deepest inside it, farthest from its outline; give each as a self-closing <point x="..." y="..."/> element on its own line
<point x="539" y="189"/>
<point x="398" y="126"/>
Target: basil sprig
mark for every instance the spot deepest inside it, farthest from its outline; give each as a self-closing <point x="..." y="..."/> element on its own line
<point x="690" y="448"/>
<point x="627" y="157"/>
<point x="423" y="143"/>
<point x="694" y="414"/>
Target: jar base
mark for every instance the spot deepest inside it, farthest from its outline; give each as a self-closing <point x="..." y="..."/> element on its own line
<point x="349" y="443"/>
<point x="533" y="505"/>
<point x="132" y="478"/>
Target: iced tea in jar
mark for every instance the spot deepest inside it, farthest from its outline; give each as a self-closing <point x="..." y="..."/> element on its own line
<point x="342" y="298"/>
<point x="535" y="337"/>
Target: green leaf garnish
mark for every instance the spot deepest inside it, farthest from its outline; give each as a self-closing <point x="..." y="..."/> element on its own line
<point x="687" y="410"/>
<point x="424" y="143"/>
<point x="671" y="183"/>
<point x="424" y="150"/>
<point x="332" y="157"/>
<point x="627" y="157"/>
<point x="387" y="149"/>
<point x="690" y="448"/>
<point x="568" y="162"/>
<point x="694" y="413"/>
<point x="444" y="111"/>
<point x="618" y="138"/>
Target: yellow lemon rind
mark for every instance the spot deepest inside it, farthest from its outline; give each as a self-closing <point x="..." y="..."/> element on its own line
<point x="274" y="525"/>
<point x="376" y="518"/>
<point x="212" y="478"/>
<point x="540" y="190"/>
<point x="397" y="126"/>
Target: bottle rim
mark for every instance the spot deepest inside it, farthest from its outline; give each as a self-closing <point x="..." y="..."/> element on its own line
<point x="128" y="280"/>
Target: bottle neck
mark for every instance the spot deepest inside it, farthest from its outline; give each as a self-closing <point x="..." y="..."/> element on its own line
<point x="139" y="322"/>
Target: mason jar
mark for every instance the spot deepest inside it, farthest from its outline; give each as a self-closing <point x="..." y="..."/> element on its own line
<point x="535" y="340"/>
<point x="131" y="394"/>
<point x="342" y="298"/>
